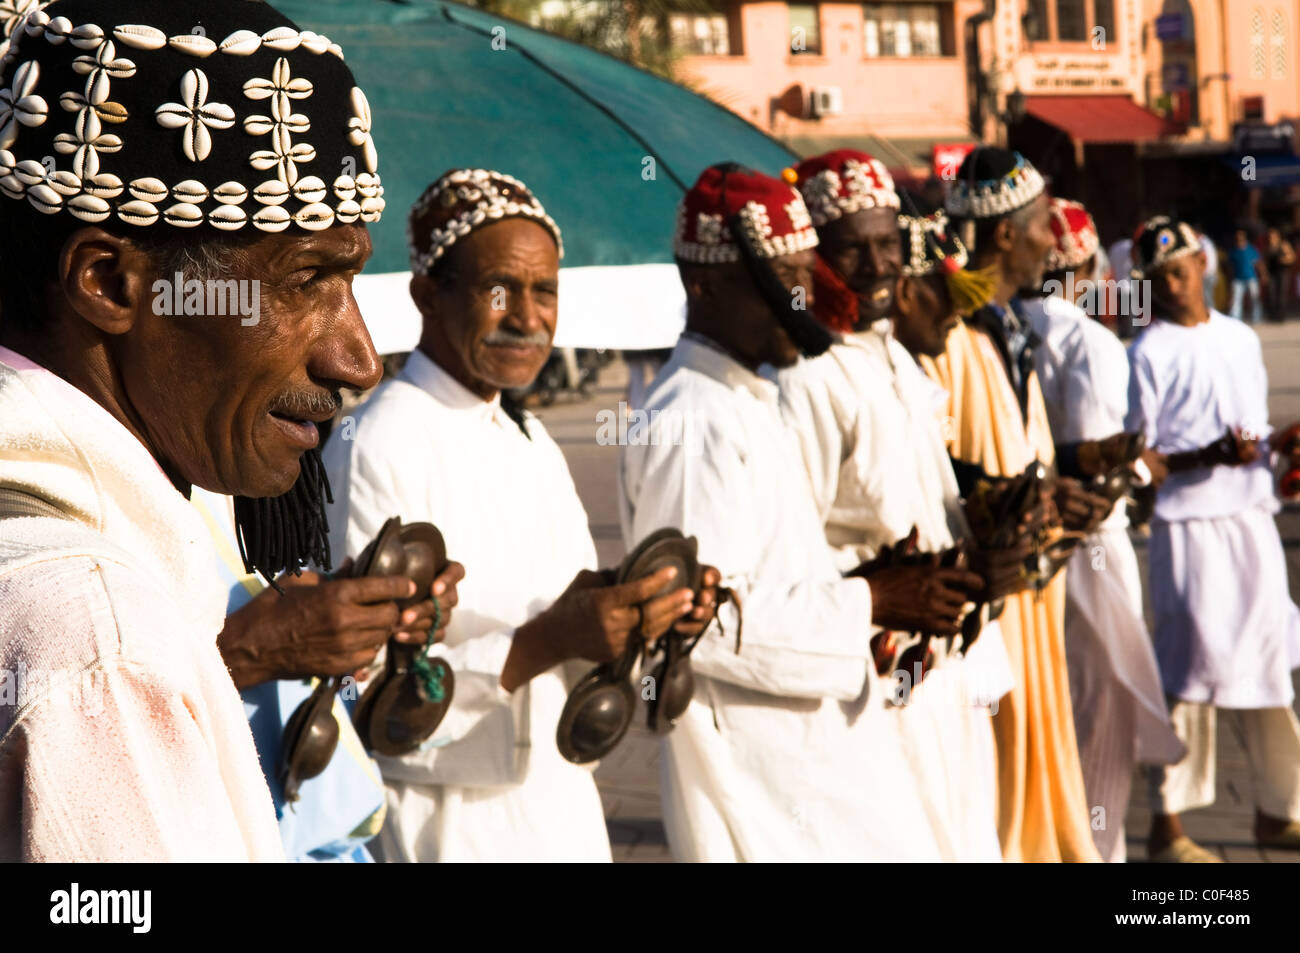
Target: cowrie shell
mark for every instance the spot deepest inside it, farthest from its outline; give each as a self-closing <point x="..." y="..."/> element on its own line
<point x="313" y="42"/>
<point x="137" y="213"/>
<point x="148" y="189"/>
<point x="309" y="189"/>
<point x="104" y="185"/>
<point x="348" y="212"/>
<point x="29" y="172"/>
<point x="228" y="218"/>
<point x="89" y="208"/>
<point x="44" y="198"/>
<point x="282" y="38"/>
<point x="64" y="182"/>
<point x="345" y="187"/>
<point x="336" y="50"/>
<point x="183" y="215"/>
<point x="190" y="191"/>
<point x="57" y="30"/>
<point x="87" y="36"/>
<point x="271" y="219"/>
<point x="271" y="192"/>
<point x="11" y="187"/>
<point x="230" y="193"/>
<point x="314" y="217"/>
<point x="241" y="43"/>
<point x="36" y="22"/>
<point x="193" y="44"/>
<point x="140" y="37"/>
<point x="111" y="112"/>
<point x="370" y="209"/>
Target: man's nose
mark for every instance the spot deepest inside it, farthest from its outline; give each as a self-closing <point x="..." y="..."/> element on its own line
<point x="346" y="354"/>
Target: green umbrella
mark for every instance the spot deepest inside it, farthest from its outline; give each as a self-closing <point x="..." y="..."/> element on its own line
<point x="609" y="149"/>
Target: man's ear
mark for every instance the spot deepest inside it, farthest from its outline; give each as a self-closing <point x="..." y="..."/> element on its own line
<point x="106" y="279"/>
<point x="696" y="282"/>
<point x="1004" y="235"/>
<point x="423" y="292"/>
<point x="905" y="295"/>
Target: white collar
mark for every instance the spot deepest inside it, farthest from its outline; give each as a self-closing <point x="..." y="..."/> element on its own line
<point x="701" y="354"/>
<point x="423" y="372"/>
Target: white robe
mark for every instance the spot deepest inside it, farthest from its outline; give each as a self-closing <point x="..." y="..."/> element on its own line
<point x="865" y="417"/>
<point x="1083" y="372"/>
<point x="1227" y="632"/>
<point x="490" y="784"/>
<point x="786" y="751"/>
<point x="122" y="738"/>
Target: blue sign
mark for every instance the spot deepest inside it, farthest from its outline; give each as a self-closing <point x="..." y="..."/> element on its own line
<point x="1170" y="26"/>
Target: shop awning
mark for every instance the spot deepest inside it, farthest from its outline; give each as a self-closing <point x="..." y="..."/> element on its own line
<point x="1100" y="119"/>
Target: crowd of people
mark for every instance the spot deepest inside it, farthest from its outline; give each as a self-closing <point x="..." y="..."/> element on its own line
<point x="902" y="618"/>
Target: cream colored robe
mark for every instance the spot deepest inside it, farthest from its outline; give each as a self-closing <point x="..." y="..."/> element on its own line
<point x="122" y="737"/>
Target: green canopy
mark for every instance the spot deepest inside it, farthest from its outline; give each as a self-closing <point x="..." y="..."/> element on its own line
<point x="608" y="148"/>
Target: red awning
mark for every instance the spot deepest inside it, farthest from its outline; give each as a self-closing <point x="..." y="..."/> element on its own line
<point x="1100" y="118"/>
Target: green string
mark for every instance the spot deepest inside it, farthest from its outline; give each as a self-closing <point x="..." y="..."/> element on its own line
<point x="430" y="674"/>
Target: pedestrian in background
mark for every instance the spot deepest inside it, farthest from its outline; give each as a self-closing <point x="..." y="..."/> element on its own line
<point x="1245" y="267"/>
<point x="1280" y="257"/>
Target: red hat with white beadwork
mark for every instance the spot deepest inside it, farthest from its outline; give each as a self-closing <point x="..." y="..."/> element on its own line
<point x="843" y="182"/>
<point x="771" y="213"/>
<point x="1075" y="234"/>
<point x="200" y="114"/>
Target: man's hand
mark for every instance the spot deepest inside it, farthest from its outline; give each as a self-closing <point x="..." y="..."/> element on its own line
<point x="1003" y="570"/>
<point x="705" y="605"/>
<point x="1157" y="464"/>
<point x="417" y="620"/>
<point x="593" y="619"/>
<point x="921" y="598"/>
<point x="318" y="627"/>
<point x="1080" y="509"/>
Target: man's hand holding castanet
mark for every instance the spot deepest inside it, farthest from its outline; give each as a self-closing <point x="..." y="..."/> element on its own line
<point x="593" y="619"/>
<point x="318" y="627"/>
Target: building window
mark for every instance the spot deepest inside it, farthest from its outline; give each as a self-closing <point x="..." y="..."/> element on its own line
<point x="906" y="29"/>
<point x="699" y="33"/>
<point x="1072" y="21"/>
<point x="805" y="29"/>
<point x="1258" y="59"/>
<point x="1278" y="43"/>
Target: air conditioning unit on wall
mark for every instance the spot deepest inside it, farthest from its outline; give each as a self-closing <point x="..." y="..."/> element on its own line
<point x="827" y="101"/>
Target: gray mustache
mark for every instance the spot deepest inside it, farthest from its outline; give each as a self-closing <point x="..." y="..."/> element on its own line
<point x="501" y="336"/>
<point x="308" y="404"/>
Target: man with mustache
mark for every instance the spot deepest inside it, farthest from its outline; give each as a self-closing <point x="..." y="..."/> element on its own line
<point x="1226" y="630"/>
<point x="999" y="429"/>
<point x="786" y="751"/>
<point x="444" y="443"/>
<point x="1119" y="712"/>
<point x="866" y="418"/>
<point x="134" y="148"/>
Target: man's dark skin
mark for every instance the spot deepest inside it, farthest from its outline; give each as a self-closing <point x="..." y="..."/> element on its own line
<point x="232" y="408"/>
<point x="723" y="305"/>
<point x="489" y="317"/>
<point x="864" y="248"/>
<point x="1176" y="290"/>
<point x="1018" y="249"/>
<point x="924" y="316"/>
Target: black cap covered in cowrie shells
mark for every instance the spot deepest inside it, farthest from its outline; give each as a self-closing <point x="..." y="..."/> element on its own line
<point x="217" y="113"/>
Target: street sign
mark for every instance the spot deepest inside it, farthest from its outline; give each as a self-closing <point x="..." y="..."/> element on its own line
<point x="1176" y="76"/>
<point x="1170" y="26"/>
